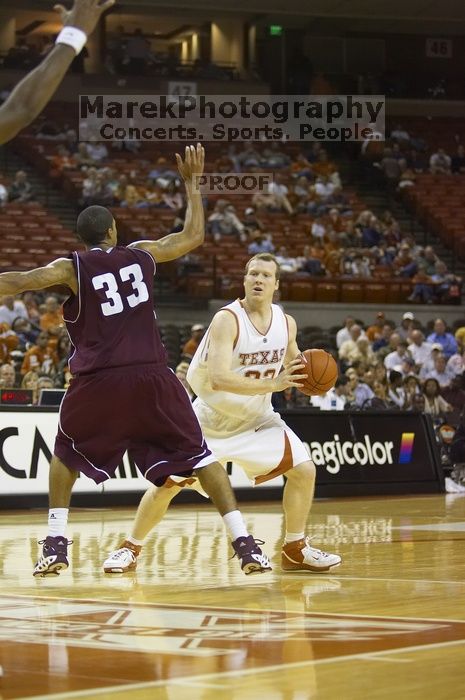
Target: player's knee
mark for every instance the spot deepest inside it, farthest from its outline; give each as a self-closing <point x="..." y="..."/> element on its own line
<point x="303" y="472"/>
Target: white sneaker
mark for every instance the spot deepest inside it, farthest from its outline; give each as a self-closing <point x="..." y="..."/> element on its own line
<point x="453" y="487"/>
<point x="300" y="556"/>
<point x="122" y="559"/>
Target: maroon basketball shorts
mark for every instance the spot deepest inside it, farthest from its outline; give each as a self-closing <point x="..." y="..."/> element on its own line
<point x="144" y="410"/>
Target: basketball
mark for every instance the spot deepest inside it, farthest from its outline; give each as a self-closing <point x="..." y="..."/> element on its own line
<point x="321" y="368"/>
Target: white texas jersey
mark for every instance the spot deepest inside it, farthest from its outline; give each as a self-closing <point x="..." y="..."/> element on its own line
<point x="255" y="355"/>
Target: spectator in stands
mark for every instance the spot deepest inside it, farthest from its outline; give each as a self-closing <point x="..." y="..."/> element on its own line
<point x="417" y="161"/>
<point x="419" y="349"/>
<point x="385" y="350"/>
<point x="404" y="264"/>
<point x="249" y="157"/>
<point x="31" y="381"/>
<point x="443" y="337"/>
<point x="440" y="163"/>
<point x="21" y="189"/>
<point x="396" y="392"/>
<point x="356" y="265"/>
<point x="407" y="175"/>
<point x="348" y="351"/>
<point x="251" y="224"/>
<point x="412" y="388"/>
<point x="278" y="195"/>
<point x="190" y="347"/>
<point x="383" y="340"/>
<point x="224" y="222"/>
<point x="435" y="405"/>
<point x="286" y="262"/>
<point x="456" y="363"/>
<point x="9" y="341"/>
<point x="25" y="332"/>
<point x="389" y="166"/>
<point x="7" y="376"/>
<point x="310" y="264"/>
<point x="395" y="359"/>
<point x="375" y="331"/>
<point x="423" y="288"/>
<point x="274" y="157"/>
<point x="261" y="244"/>
<point x="97" y="151"/>
<point x="82" y="158"/>
<point x="63" y="160"/>
<point x="52" y="319"/>
<point x="324" y="168"/>
<point x="406" y="326"/>
<point x="343" y="333"/>
<point x="30" y="302"/>
<point x="171" y="197"/>
<point x="428" y="365"/>
<point x="359" y="394"/>
<point x="40" y="357"/>
<point x="447" y="287"/>
<point x="400" y="134"/>
<point x="335" y="399"/>
<point x="132" y="197"/>
<point x="440" y="371"/>
<point x="10" y="309"/>
<point x="455" y="397"/>
<point x="458" y="161"/>
<point x="301" y="168"/>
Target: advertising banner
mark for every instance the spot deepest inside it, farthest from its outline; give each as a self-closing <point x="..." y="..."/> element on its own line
<point x="354" y="453"/>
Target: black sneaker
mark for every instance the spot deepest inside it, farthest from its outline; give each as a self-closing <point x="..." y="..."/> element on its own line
<point x="54" y="557"/>
<point x="253" y="560"/>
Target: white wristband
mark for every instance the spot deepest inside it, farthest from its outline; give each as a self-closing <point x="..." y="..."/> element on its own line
<point x="72" y="36"/>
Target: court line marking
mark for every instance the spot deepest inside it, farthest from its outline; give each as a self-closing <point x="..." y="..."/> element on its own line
<point x="370" y="657"/>
<point x="191" y="606"/>
<point x="232" y="674"/>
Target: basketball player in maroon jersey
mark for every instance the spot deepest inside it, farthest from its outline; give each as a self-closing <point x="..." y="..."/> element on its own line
<point x="123" y="396"/>
<point x="30" y="96"/>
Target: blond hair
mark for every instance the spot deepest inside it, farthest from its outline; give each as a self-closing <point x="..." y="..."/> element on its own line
<point x="266" y="257"/>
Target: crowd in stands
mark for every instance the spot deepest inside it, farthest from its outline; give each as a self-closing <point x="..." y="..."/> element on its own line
<point x="34" y="344"/>
<point x="327" y="233"/>
<point x="396" y="366"/>
<point x="19" y="190"/>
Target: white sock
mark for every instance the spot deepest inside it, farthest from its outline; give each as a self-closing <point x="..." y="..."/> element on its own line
<point x="133" y="540"/>
<point x="57" y="521"/>
<point x="235" y="525"/>
<point x="293" y="537"/>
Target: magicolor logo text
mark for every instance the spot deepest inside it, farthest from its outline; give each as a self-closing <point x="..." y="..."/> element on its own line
<point x="335" y="454"/>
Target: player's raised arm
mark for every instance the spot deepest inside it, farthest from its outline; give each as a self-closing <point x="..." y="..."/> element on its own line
<point x="175" y="245"/>
<point x="58" y="272"/>
<point x="223" y="330"/>
<point x="33" y="92"/>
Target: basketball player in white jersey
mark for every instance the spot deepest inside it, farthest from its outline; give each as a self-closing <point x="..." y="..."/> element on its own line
<point x="248" y="352"/>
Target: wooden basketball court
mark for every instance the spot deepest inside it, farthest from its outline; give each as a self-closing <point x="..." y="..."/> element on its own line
<point x="388" y="623"/>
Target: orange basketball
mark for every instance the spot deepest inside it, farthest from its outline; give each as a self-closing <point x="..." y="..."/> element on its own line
<point x="321" y="368"/>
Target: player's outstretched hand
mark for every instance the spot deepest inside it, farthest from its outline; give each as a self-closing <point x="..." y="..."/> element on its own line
<point x="84" y="14"/>
<point x="288" y="376"/>
<point x="192" y="165"/>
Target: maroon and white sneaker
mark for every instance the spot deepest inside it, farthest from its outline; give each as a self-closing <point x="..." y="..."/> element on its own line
<point x="54" y="557"/>
<point x="253" y="560"/>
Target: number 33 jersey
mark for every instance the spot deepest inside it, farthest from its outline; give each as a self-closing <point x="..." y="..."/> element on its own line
<point x="111" y="320"/>
<point x="255" y="354"/>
